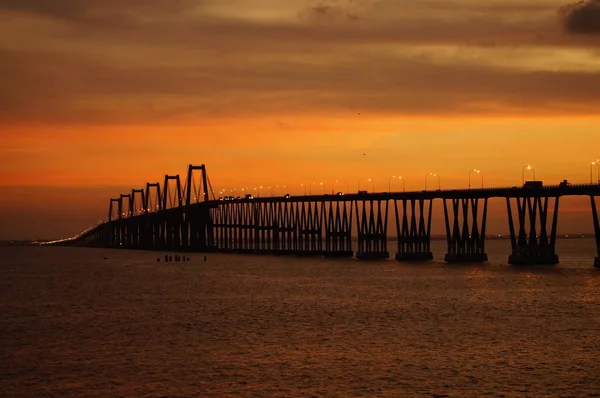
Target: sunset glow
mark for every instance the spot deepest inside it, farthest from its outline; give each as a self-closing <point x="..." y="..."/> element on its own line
<point x="101" y="98"/>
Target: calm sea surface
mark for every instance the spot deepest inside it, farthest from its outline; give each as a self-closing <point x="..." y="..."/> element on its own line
<point x="75" y="325"/>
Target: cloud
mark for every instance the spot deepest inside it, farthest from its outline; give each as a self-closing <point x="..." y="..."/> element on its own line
<point x="153" y="60"/>
<point x="333" y="12"/>
<point x="582" y="17"/>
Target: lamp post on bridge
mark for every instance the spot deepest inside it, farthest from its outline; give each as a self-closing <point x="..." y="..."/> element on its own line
<point x="322" y="186"/>
<point x="372" y="184"/>
<point x="478" y="172"/>
<point x="399" y="178"/>
<point x="597" y="164"/>
<point x="528" y="167"/>
<point x="433" y="175"/>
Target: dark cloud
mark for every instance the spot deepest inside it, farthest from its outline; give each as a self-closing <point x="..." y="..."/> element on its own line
<point x="52" y="89"/>
<point x="67" y="9"/>
<point x="328" y="14"/>
<point x="582" y="17"/>
<point x="108" y="67"/>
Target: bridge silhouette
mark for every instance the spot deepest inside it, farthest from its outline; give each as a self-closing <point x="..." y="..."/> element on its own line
<point x="190" y="218"/>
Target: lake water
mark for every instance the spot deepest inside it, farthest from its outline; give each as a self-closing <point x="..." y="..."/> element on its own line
<point x="73" y="324"/>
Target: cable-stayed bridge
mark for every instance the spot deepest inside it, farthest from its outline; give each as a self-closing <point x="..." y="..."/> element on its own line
<point x="188" y="217"/>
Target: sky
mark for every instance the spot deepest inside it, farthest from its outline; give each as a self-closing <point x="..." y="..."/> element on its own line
<point x="97" y="98"/>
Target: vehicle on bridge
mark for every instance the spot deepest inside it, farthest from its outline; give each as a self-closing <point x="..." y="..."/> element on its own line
<point x="533" y="184"/>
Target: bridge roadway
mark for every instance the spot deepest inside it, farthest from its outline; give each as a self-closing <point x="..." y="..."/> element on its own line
<point x="325" y="224"/>
<point x="499" y="192"/>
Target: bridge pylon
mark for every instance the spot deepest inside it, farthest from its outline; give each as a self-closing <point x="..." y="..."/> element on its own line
<point x="528" y="245"/>
<point x="596" y="230"/>
<point x="371" y="221"/>
<point x="413" y="229"/>
<point x="286" y="228"/>
<point x="338" y="229"/>
<point x="465" y="230"/>
<point x="266" y="217"/>
<point x="309" y="216"/>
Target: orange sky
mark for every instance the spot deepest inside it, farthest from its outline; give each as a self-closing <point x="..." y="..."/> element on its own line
<point x="101" y="98"/>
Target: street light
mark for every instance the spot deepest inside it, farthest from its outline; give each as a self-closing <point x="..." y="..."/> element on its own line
<point x="304" y="187"/>
<point x="474" y="171"/>
<point x="528" y="167"/>
<point x="400" y="178"/>
<point x="433" y="175"/>
<point x="597" y="164"/>
<point x="333" y="186"/>
<point x="323" y="186"/>
<point x="373" y="184"/>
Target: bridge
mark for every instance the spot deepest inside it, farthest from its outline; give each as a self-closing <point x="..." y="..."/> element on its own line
<point x="189" y="217"/>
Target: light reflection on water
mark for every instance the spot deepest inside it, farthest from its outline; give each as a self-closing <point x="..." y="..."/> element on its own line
<point x="74" y="324"/>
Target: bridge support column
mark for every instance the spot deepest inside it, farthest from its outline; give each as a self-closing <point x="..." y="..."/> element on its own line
<point x="413" y="232"/>
<point x="529" y="246"/>
<point x="596" y="230"/>
<point x="371" y="220"/>
<point x="265" y="228"/>
<point x="245" y="228"/>
<point x="309" y="216"/>
<point x="286" y="228"/>
<point x="225" y="227"/>
<point x="338" y="234"/>
<point x="465" y="230"/>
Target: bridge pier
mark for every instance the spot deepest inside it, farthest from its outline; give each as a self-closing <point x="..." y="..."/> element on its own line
<point x="529" y="247"/>
<point x="309" y="217"/>
<point x="285" y="228"/>
<point x="244" y="235"/>
<point x="414" y="232"/>
<point x="265" y="228"/>
<point x="338" y="229"/>
<point x="371" y="220"/>
<point x="465" y="236"/>
<point x="596" y="230"/>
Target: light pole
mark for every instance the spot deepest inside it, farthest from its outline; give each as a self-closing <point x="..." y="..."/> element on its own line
<point x="390" y="183"/>
<point x="304" y="187"/>
<point x="323" y="186"/>
<point x="597" y="164"/>
<point x="433" y="175"/>
<point x="333" y="186"/>
<point x="472" y="171"/>
<point x="528" y="167"/>
<point x="346" y="182"/>
<point x="310" y="188"/>
<point x="373" y="184"/>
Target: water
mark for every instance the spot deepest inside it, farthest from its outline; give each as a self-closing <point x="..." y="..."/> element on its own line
<point x="73" y="324"/>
